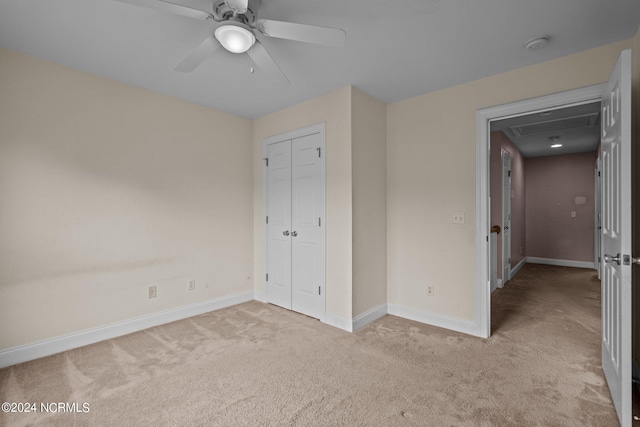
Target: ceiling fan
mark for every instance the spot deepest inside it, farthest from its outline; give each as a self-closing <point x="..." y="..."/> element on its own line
<point x="239" y="25"/>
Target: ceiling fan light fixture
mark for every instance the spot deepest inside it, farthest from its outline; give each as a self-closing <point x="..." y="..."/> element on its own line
<point x="235" y="37"/>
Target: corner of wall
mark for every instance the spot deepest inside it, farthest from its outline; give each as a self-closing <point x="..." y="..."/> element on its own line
<point x="369" y="178"/>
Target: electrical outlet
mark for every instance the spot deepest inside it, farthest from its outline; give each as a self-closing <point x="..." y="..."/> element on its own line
<point x="192" y="284"/>
<point x="430" y="291"/>
<point x="457" y="218"/>
<point x="153" y="291"/>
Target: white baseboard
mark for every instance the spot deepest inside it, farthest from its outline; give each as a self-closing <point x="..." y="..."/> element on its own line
<point x="55" y="345"/>
<point x="369" y="316"/>
<point x="500" y="283"/>
<point x="561" y="262"/>
<point x="459" y="325"/>
<point x="518" y="266"/>
<point x="339" y="322"/>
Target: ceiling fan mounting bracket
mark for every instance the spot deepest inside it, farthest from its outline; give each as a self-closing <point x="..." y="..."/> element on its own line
<point x="222" y="12"/>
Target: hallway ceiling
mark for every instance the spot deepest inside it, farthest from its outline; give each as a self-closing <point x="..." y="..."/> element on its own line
<point x="394" y="50"/>
<point x="576" y="128"/>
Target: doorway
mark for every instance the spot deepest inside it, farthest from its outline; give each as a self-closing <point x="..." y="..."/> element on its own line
<point x="484" y="117"/>
<point x="615" y="96"/>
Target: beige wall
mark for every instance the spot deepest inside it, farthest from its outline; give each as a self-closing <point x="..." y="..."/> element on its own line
<point x="431" y="173"/>
<point x="107" y="189"/>
<point x="334" y="109"/>
<point x="554" y="184"/>
<point x="369" y="153"/>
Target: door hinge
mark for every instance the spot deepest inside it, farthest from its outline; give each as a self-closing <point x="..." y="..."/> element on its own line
<point x="319" y="222"/>
<point x="598" y="173"/>
<point x="509" y="173"/>
<point x="319" y="151"/>
<point x="266" y="159"/>
<point x="267" y="277"/>
<point x="487" y="238"/>
<point x="318" y="290"/>
<point x="267" y="219"/>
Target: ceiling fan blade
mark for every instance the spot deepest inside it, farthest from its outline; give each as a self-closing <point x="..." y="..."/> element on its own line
<point x="238" y="6"/>
<point x="266" y="64"/>
<point x="197" y="57"/>
<point x="326" y="36"/>
<point x="174" y="8"/>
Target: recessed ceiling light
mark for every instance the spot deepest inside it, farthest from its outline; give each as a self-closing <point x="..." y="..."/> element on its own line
<point x="556" y="146"/>
<point x="537" y="43"/>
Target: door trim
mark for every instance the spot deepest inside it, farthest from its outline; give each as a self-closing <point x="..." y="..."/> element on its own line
<point x="297" y="133"/>
<point x="483" y="118"/>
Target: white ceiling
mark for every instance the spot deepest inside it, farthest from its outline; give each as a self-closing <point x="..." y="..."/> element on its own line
<point x="395" y="49"/>
<point x="577" y="128"/>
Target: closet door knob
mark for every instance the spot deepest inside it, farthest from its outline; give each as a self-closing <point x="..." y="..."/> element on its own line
<point x="294" y="233"/>
<point x="285" y="233"/>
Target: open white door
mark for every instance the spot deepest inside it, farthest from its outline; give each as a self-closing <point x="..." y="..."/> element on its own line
<point x="616" y="236"/>
<point x="597" y="248"/>
<point x="506" y="217"/>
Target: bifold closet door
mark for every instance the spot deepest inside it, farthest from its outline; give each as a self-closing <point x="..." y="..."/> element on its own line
<point x="279" y="224"/>
<point x="307" y="241"/>
<point x="295" y="228"/>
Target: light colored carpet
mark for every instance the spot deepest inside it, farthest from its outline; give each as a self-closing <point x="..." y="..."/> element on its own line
<point x="256" y="364"/>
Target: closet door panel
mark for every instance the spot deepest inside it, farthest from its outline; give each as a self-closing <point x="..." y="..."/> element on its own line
<point x="279" y="225"/>
<point x="306" y="224"/>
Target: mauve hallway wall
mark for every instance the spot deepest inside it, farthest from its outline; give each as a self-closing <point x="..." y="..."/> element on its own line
<point x="555" y="186"/>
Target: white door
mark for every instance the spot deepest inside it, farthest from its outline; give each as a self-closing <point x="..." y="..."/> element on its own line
<point x="598" y="217"/>
<point x="506" y="217"/>
<point x="307" y="233"/>
<point x="295" y="224"/>
<point x="279" y="224"/>
<point x="616" y="236"/>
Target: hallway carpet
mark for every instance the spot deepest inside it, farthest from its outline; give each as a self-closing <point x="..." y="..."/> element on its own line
<point x="255" y="364"/>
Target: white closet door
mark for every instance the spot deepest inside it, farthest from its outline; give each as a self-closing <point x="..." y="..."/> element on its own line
<point x="279" y="224"/>
<point x="307" y="227"/>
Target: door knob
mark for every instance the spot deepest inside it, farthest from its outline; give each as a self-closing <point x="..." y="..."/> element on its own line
<point x="285" y="233"/>
<point x="294" y="233"/>
<point x="609" y="258"/>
